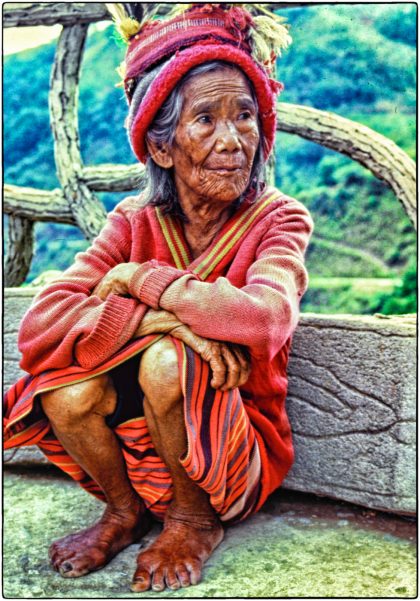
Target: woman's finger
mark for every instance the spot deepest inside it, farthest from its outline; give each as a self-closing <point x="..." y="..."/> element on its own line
<point x="234" y="368"/>
<point x="208" y="350"/>
<point x="244" y="363"/>
<point x="218" y="367"/>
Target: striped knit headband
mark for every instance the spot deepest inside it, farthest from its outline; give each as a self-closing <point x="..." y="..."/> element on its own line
<point x="189" y="36"/>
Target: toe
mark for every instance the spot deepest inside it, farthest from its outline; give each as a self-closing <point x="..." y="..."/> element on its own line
<point x="183" y="575"/>
<point x="158" y="581"/>
<point x="64" y="567"/>
<point x="172" y="580"/>
<point x="141" y="581"/>
<point x="74" y="569"/>
<point x="58" y="560"/>
<point x="57" y="555"/>
<point x="194" y="566"/>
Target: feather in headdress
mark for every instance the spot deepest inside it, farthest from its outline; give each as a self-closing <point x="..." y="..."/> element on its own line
<point x="130" y="17"/>
<point x="125" y="25"/>
<point x="265" y="31"/>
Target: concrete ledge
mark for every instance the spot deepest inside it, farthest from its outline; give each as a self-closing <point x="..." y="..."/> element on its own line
<point x="351" y="402"/>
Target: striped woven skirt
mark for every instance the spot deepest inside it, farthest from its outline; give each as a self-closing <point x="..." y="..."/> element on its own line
<point x="222" y="455"/>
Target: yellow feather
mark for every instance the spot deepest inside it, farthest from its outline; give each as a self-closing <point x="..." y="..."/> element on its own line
<point x="117" y="11"/>
<point x="125" y="25"/>
<point x="128" y="27"/>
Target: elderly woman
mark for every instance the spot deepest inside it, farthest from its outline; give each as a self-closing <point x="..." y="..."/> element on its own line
<point x="158" y="360"/>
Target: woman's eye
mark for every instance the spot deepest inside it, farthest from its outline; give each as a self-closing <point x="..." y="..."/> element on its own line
<point x="204" y="119"/>
<point x="245" y="115"/>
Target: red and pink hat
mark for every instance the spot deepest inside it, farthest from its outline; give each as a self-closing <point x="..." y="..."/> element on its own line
<point x="202" y="33"/>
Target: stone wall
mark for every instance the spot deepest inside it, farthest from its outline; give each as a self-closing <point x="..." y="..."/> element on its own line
<point x="351" y="402"/>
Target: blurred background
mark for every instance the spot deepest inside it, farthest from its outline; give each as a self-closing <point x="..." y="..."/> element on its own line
<point x="358" y="61"/>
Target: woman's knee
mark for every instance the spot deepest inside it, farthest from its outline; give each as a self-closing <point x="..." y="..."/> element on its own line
<point x="159" y="375"/>
<point x="70" y="404"/>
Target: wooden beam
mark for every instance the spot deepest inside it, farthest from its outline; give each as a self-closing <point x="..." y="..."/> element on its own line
<point x="20" y="250"/>
<point x="37" y="205"/>
<point x="51" y="205"/>
<point x="114" y="178"/>
<point x="381" y="156"/>
<point x="88" y="211"/>
<point x="24" y="14"/>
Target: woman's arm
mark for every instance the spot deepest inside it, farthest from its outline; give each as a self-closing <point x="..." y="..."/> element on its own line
<point x="66" y="324"/>
<point x="262" y="314"/>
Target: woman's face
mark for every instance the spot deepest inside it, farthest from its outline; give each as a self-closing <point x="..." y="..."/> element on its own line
<point x="216" y="138"/>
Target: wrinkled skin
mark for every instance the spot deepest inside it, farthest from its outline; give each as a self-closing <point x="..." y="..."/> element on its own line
<point x="215" y="145"/>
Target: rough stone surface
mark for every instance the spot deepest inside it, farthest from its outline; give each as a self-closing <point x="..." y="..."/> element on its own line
<point x="351" y="402"/>
<point x="352" y="406"/>
<point x="286" y="550"/>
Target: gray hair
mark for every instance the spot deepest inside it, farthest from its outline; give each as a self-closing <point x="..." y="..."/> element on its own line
<point x="161" y="190"/>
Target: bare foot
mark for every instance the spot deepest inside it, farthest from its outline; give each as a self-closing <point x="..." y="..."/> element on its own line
<point x="91" y="549"/>
<point x="177" y="556"/>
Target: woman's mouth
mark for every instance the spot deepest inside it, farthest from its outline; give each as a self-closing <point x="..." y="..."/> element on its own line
<point x="225" y="170"/>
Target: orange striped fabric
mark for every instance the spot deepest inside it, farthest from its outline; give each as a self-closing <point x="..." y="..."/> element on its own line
<point x="223" y="454"/>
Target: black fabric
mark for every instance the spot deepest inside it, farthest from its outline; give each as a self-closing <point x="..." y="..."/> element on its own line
<point x="125" y="378"/>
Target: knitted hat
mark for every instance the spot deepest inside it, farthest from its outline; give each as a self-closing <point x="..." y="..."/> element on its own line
<point x="189" y="36"/>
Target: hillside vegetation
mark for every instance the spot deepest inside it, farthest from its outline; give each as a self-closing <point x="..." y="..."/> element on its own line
<point x="358" y="61"/>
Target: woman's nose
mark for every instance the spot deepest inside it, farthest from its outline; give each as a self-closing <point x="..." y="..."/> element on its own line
<point x="227" y="138"/>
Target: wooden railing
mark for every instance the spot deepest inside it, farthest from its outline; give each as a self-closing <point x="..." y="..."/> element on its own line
<point x="76" y="202"/>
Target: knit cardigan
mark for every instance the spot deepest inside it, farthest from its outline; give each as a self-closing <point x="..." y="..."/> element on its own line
<point x="252" y="301"/>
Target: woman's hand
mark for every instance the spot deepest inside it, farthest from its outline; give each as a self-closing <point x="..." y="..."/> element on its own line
<point x="228" y="362"/>
<point x="116" y="280"/>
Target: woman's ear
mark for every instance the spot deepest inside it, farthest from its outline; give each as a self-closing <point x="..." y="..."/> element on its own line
<point x="160" y="154"/>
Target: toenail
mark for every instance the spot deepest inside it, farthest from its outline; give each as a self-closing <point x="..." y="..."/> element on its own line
<point x="157" y="587"/>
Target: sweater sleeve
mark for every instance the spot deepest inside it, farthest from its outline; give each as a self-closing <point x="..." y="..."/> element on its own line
<point x="264" y="312"/>
<point x="66" y="325"/>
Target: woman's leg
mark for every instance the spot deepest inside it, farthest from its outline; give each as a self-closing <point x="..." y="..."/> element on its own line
<point x="77" y="414"/>
<point x="192" y="529"/>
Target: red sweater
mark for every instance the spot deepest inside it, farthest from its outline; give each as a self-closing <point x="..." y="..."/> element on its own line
<point x="252" y="300"/>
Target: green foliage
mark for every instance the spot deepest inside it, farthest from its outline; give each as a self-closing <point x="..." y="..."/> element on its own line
<point x="356" y="60"/>
<point x="399" y="24"/>
<point x="341" y="58"/>
<point x="403" y="299"/>
<point x="28" y="146"/>
<point x="336" y="300"/>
